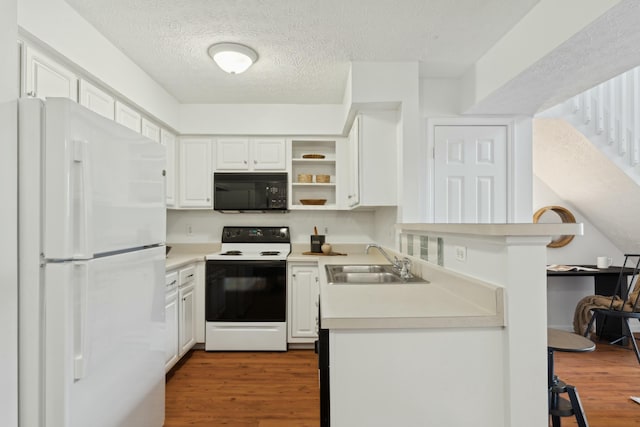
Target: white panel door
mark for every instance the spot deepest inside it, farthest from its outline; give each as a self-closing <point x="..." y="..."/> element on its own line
<point x="46" y="78"/>
<point x="104" y="189"/>
<point x="128" y="117"/>
<point x="105" y="341"/>
<point x="97" y="100"/>
<point x="268" y="154"/>
<point x="470" y="177"/>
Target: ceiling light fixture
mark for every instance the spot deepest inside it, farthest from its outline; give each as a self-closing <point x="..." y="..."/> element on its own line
<point x="233" y="58"/>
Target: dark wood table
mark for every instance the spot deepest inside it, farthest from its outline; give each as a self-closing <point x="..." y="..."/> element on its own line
<point x="605" y="280"/>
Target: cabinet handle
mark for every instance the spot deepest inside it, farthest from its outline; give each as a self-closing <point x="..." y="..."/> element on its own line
<point x="293" y="275"/>
<point x="31" y="94"/>
<point x="255" y="162"/>
<point x="191" y="275"/>
<point x="173" y="283"/>
<point x="245" y="162"/>
<point x="208" y="199"/>
<point x="350" y="196"/>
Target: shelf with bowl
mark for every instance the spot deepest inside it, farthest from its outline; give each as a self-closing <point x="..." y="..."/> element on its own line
<point x="313" y="173"/>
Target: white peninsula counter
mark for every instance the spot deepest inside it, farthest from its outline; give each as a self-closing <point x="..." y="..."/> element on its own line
<point x="468" y="348"/>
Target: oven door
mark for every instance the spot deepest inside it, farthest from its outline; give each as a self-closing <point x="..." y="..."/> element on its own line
<point x="245" y="291"/>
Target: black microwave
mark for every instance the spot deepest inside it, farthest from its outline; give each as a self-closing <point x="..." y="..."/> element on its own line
<point x="247" y="191"/>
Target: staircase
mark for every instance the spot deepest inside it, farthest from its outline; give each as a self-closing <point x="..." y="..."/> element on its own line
<point x="609" y="116"/>
<point x="587" y="150"/>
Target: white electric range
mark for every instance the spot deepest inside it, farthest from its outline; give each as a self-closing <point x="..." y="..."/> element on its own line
<point x="245" y="290"/>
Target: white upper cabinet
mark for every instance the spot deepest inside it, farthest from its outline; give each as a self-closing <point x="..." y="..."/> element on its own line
<point x="195" y="174"/>
<point x="128" y="117"/>
<point x="268" y="154"/>
<point x="97" y="100"/>
<point x="150" y="130"/>
<point x="232" y="154"/>
<point x="169" y="141"/>
<point x="373" y="159"/>
<point x="44" y="77"/>
<point x="244" y="154"/>
<point x="353" y="183"/>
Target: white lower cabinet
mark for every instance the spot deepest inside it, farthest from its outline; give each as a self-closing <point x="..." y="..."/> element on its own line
<point x="303" y="292"/>
<point x="171" y="320"/>
<point x="186" y="293"/>
<point x="180" y="313"/>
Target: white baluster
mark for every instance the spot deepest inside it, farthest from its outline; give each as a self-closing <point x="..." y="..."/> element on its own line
<point x="611" y="125"/>
<point x="600" y="110"/>
<point x="575" y="104"/>
<point x="586" y="102"/>
<point x="635" y="122"/>
<point x="622" y="140"/>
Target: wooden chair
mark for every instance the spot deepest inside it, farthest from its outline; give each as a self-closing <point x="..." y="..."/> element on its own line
<point x="623" y="305"/>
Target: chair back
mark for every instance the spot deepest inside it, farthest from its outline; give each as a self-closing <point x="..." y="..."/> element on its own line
<point x="627" y="294"/>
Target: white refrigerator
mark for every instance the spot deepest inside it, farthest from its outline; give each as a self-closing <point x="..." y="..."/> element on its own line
<point x="91" y="270"/>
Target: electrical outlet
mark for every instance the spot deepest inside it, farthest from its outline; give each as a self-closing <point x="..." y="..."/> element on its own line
<point x="461" y="253"/>
<point x="189" y="230"/>
<point x="326" y="230"/>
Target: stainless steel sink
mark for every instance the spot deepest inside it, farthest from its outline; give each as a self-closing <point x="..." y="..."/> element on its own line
<point x="366" y="274"/>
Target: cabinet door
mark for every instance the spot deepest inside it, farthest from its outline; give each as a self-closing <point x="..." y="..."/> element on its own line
<point x="97" y="100"/>
<point x="195" y="177"/>
<point x="171" y="326"/>
<point x="169" y="141"/>
<point x="232" y="154"/>
<point x="187" y="317"/>
<point x="128" y="117"/>
<point x="470" y="174"/>
<point x="44" y="77"/>
<point x="377" y="157"/>
<point x="353" y="192"/>
<point x="268" y="154"/>
<point x="150" y="130"/>
<point x="303" y="300"/>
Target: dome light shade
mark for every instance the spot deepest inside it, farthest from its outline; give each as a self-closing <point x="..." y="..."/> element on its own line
<point x="233" y="58"/>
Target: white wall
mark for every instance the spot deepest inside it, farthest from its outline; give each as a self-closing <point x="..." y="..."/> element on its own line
<point x="8" y="215"/>
<point x="564" y="293"/>
<point x="206" y="225"/>
<point x="261" y="119"/>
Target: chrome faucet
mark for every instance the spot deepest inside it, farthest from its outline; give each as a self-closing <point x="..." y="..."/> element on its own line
<point x="403" y="266"/>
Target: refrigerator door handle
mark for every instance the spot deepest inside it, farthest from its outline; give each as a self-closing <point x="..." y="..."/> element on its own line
<point x="80" y="319"/>
<point x="82" y="230"/>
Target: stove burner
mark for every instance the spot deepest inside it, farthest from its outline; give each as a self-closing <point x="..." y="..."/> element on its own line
<point x="267" y="253"/>
<point x="232" y="253"/>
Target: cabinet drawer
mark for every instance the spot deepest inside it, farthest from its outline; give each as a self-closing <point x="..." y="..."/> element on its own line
<point x="187" y="275"/>
<point x="171" y="280"/>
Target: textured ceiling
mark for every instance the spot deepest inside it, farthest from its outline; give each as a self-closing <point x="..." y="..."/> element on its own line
<point x="305" y="46"/>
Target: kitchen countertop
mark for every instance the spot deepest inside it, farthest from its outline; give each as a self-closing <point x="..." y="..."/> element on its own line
<point x="182" y="254"/>
<point x="450" y="300"/>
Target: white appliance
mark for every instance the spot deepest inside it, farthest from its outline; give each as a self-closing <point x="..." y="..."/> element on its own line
<point x="246" y="290"/>
<point x="92" y="262"/>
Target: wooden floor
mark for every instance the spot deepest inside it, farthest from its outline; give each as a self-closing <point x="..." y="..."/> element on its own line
<point x="604" y="379"/>
<point x="247" y="389"/>
<point x="244" y="389"/>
